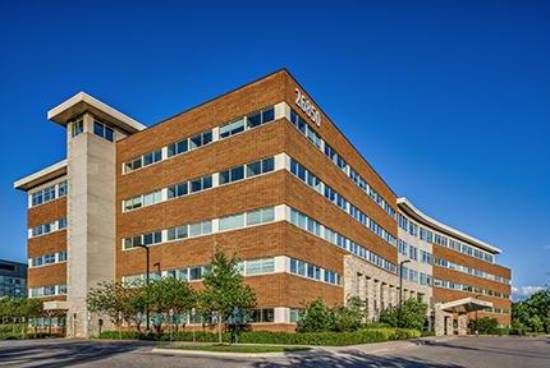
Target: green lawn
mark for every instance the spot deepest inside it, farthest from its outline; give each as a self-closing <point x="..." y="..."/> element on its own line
<point x="234" y="348"/>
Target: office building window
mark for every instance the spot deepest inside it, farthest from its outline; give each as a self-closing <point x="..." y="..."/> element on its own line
<point x="77" y="127"/>
<point x="103" y="131"/>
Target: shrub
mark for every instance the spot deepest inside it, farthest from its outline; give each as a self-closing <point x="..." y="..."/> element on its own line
<point x="362" y="336"/>
<point x="485" y="326"/>
<point x="412" y="314"/>
<point x="317" y="317"/>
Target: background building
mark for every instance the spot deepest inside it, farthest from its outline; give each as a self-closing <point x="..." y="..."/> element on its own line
<point x="13" y="279"/>
<point x="262" y="172"/>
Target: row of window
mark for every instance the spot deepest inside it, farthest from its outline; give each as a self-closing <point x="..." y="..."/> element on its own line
<point x="310" y="225"/>
<point x="199" y="184"/>
<point x="104" y="131"/>
<point x="414" y="253"/>
<point x="204" y="138"/>
<point x="469" y="270"/>
<point x="417" y="277"/>
<point x="333" y="156"/>
<point x="247" y="122"/>
<point x="48" y="194"/>
<point x="48" y="259"/>
<point x="311" y="180"/>
<point x="468" y="288"/>
<point x="44" y="229"/>
<point x="51" y="290"/>
<point x="497" y="310"/>
<point x="247" y="171"/>
<point x="232" y="222"/>
<point x="314" y="272"/>
<point x="196" y="273"/>
<point x="432" y="237"/>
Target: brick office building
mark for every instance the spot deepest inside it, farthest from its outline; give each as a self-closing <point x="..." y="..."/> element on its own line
<point x="261" y="172"/>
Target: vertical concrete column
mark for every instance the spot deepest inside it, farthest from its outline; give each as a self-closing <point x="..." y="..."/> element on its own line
<point x="369" y="298"/>
<point x="463" y="324"/>
<point x="383" y="296"/>
<point x="91" y="223"/>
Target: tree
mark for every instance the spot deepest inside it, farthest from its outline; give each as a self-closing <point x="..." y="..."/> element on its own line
<point x="113" y="299"/>
<point x="168" y="297"/>
<point x="316" y="317"/>
<point x="532" y="314"/>
<point x="224" y="290"/>
<point x="411" y="314"/>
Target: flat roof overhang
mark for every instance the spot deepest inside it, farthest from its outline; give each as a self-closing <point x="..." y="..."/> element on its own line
<point x="466" y="305"/>
<point x="42" y="176"/>
<point x="56" y="305"/>
<point x="406" y="206"/>
<point x="82" y="102"/>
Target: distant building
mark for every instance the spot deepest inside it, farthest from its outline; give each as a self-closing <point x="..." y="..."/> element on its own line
<point x="13" y="279"/>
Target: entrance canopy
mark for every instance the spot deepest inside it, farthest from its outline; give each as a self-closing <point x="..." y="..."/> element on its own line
<point x="465" y="305"/>
<point x="56" y="305"/>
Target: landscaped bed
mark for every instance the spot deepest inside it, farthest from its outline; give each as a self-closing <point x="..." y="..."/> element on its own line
<point x="234" y="348"/>
<point x="362" y="336"/>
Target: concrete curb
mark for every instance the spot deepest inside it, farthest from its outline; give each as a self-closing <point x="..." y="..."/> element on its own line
<point x="229" y="355"/>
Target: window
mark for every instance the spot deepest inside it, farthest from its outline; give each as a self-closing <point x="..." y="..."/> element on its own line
<point x="260" y="216"/>
<point x="195" y="273"/>
<point x="265" y="315"/>
<point x="178" y="190"/>
<point x="259" y="266"/>
<point x="248" y="170"/>
<point x="77" y="127"/>
<point x="103" y="131"/>
<point x="232" y="222"/>
<point x="201" y="184"/>
<point x="232" y="128"/>
<point x="251" y="121"/>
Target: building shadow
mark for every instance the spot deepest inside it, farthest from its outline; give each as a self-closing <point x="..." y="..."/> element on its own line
<point x="494" y="349"/>
<point x="349" y="359"/>
<point x="63" y="353"/>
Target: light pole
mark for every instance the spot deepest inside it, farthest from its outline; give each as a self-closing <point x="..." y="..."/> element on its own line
<point x="147" y="260"/>
<point x="401" y="289"/>
<point x="476" y="330"/>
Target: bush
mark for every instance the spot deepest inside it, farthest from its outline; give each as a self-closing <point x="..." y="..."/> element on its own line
<point x="363" y="336"/>
<point x="412" y="314"/>
<point x="485" y="326"/>
<point x="318" y="317"/>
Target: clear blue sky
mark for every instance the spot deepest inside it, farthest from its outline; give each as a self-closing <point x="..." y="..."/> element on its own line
<point x="450" y="101"/>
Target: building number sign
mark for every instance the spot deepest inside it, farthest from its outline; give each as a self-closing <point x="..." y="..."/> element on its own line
<point x="308" y="107"/>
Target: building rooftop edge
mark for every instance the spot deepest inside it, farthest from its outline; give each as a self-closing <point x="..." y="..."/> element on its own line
<point x="33" y="179"/>
<point x="403" y="202"/>
<point x="77" y="104"/>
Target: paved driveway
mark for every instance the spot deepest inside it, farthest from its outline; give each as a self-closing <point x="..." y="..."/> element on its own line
<point x="483" y="352"/>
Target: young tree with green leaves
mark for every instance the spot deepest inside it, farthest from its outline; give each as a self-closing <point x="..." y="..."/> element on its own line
<point x="169" y="297"/>
<point x="112" y="299"/>
<point x="224" y="290"/>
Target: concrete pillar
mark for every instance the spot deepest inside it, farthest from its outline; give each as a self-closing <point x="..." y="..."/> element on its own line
<point x="463" y="324"/>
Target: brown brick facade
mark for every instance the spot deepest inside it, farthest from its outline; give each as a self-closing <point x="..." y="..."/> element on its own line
<point x="275" y="188"/>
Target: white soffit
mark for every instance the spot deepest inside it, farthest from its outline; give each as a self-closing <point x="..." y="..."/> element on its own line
<point x="406" y="205"/>
<point x="82" y="102"/>
<point x="42" y="176"/>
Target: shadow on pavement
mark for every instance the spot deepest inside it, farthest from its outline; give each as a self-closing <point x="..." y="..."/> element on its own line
<point x="63" y="353"/>
<point x="350" y="359"/>
<point x="519" y="352"/>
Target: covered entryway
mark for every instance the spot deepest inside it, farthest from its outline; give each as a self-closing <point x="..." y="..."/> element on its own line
<point x="56" y="317"/>
<point x="451" y="318"/>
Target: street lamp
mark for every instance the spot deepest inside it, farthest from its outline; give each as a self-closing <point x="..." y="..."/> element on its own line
<point x="477" y="331"/>
<point x="401" y="289"/>
<point x="147" y="260"/>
